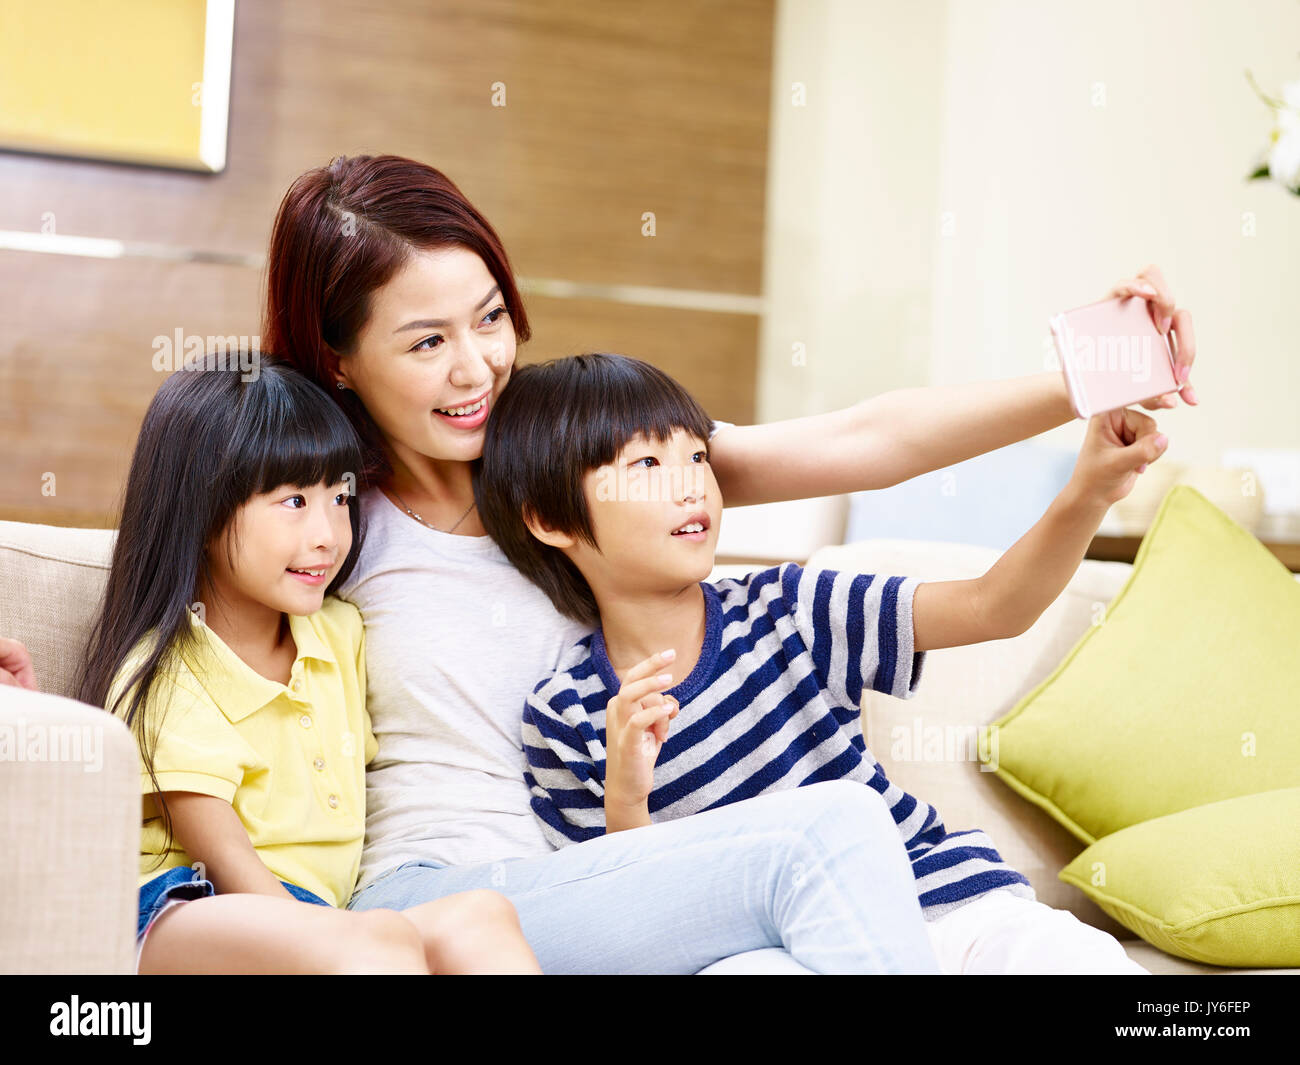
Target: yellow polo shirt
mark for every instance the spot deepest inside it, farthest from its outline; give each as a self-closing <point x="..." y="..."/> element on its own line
<point x="289" y="758"/>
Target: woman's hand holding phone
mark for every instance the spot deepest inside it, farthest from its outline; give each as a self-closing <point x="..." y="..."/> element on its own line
<point x="1172" y="321"/>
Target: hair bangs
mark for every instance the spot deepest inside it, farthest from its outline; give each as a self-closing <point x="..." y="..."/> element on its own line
<point x="614" y="399"/>
<point x="296" y="436"/>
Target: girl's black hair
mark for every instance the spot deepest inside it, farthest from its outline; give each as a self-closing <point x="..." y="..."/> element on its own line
<point x="553" y="423"/>
<point x="212" y="438"/>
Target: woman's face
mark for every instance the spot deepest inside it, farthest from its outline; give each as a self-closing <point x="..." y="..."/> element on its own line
<point x="439" y="338"/>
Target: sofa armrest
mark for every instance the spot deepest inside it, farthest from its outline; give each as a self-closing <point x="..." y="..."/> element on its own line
<point x="69" y="836"/>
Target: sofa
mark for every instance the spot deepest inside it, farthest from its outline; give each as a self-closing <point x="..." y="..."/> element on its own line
<point x="69" y="826"/>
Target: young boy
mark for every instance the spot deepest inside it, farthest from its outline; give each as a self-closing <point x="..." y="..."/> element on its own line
<point x="596" y="485"/>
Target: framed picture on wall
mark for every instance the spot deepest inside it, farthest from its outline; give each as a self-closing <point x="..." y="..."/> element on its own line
<point x="135" y="81"/>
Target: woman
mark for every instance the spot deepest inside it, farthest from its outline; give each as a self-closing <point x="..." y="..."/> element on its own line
<point x="387" y="287"/>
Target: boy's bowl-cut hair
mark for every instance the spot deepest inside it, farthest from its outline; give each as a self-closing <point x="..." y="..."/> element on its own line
<point x="553" y="423"/>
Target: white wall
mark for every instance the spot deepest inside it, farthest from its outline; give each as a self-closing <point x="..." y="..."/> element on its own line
<point x="984" y="113"/>
<point x="852" y="186"/>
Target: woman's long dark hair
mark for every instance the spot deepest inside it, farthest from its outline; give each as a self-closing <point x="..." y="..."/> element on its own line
<point x="212" y="438"/>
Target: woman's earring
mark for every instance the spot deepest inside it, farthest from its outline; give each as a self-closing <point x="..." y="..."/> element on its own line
<point x="341" y="386"/>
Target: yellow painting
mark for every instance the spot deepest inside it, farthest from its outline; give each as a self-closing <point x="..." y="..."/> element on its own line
<point x="134" y="81"/>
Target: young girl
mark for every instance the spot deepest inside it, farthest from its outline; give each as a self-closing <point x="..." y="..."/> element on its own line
<point x="244" y="682"/>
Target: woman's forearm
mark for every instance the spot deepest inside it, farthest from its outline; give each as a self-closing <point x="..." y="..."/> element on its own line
<point x="932" y="428"/>
<point x="884" y="440"/>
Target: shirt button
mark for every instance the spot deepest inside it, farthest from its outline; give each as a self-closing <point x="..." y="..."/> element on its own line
<point x="319" y="763"/>
<point x="334" y="802"/>
<point x="297" y="684"/>
<point x="305" y="721"/>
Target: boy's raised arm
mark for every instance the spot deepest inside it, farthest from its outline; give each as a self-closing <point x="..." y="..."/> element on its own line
<point x="1024" y="582"/>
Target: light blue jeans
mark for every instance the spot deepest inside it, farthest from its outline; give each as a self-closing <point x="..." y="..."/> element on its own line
<point x="814" y="879"/>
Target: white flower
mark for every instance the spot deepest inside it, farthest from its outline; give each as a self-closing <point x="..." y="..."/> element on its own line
<point x="1288" y="117"/>
<point x="1284" y="159"/>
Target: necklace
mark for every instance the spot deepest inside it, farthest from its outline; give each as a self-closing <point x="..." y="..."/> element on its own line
<point x="425" y="523"/>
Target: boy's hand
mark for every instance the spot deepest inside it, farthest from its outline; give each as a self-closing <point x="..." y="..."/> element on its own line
<point x="636" y="726"/>
<point x="1118" y="446"/>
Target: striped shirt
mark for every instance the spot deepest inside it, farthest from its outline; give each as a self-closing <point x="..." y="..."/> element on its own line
<point x="772" y="703"/>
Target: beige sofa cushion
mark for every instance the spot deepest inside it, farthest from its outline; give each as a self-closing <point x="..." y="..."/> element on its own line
<point x="53" y="580"/>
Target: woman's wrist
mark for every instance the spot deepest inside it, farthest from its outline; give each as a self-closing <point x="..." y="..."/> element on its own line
<point x="1055" y="396"/>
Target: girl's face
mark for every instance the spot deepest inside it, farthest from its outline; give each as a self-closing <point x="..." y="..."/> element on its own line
<point x="274" y="538"/>
<point x="439" y="339"/>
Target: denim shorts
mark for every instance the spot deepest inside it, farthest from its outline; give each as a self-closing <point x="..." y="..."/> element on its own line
<point x="183" y="884"/>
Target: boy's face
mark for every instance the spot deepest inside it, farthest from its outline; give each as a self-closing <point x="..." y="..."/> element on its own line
<point x="637" y="505"/>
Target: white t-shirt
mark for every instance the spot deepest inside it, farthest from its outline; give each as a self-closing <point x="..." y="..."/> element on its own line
<point x="456" y="639"/>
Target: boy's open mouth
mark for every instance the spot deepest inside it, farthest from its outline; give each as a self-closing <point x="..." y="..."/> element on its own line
<point x="695" y="528"/>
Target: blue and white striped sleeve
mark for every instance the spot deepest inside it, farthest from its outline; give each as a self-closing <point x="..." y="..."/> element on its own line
<point x="566" y="766"/>
<point x="858" y="629"/>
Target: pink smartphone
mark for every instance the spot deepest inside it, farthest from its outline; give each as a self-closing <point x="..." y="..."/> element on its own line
<point x="1112" y="355"/>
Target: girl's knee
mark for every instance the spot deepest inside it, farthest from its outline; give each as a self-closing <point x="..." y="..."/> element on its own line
<point x="383" y="940"/>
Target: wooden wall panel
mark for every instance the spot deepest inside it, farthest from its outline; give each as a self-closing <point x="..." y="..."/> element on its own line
<point x="77" y="373"/>
<point x="711" y="354"/>
<point x="612" y="109"/>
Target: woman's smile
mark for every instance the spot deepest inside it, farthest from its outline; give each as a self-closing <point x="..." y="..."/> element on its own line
<point x="466" y="416"/>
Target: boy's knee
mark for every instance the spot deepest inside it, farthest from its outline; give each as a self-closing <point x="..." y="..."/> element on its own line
<point x="856" y="806"/>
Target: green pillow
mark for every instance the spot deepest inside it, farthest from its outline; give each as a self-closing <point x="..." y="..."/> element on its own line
<point x="1218" y="883"/>
<point x="1183" y="692"/>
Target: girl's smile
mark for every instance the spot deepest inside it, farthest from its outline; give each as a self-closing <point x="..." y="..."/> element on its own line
<point x="312" y="577"/>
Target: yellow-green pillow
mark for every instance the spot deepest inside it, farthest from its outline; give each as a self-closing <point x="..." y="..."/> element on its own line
<point x="1183" y="693"/>
<point x="1218" y="883"/>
